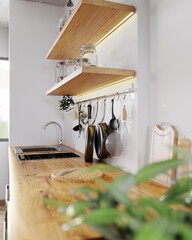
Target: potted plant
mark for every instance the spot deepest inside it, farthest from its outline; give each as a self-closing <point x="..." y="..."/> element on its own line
<point x="112" y="212"/>
<point x="66" y="103"/>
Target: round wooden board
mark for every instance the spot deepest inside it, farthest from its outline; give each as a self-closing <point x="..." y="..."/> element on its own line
<point x="77" y="175"/>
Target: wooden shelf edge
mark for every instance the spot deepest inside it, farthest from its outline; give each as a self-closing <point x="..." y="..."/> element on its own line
<point x="106" y="3"/>
<point x="72" y="19"/>
<point x="63" y="30"/>
<point x="64" y="81"/>
<point x="113" y="75"/>
<point x="105" y="70"/>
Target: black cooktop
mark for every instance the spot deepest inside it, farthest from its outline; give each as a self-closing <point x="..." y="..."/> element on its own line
<point x="23" y="157"/>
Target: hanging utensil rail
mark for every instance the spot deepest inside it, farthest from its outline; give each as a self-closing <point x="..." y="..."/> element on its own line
<point x="129" y="90"/>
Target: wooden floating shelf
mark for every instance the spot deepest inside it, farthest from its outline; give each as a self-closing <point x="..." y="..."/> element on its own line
<point x="88" y="79"/>
<point x="91" y="21"/>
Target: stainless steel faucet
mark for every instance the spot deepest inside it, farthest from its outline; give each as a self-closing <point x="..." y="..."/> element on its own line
<point x="60" y="145"/>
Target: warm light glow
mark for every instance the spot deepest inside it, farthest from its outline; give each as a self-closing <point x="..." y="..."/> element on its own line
<point x="113" y="29"/>
<point x="107" y="85"/>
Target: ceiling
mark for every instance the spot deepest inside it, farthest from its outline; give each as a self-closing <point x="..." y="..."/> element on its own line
<point x="4" y="9"/>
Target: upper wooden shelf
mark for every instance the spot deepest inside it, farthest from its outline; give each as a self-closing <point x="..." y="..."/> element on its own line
<point x="91" y="21"/>
<point x="87" y="79"/>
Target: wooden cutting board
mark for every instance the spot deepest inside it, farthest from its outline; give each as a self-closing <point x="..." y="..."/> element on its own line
<point x="83" y="174"/>
<point x="184" y="170"/>
<point x="164" y="137"/>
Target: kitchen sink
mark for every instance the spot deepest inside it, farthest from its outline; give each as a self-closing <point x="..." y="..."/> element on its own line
<point x="30" y="149"/>
<point x="46" y="156"/>
<point x="43" y="152"/>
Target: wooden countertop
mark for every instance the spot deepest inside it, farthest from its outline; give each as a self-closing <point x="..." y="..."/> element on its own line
<point x="30" y="182"/>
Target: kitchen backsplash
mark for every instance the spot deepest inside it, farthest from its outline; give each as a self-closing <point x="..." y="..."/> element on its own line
<point x="118" y="50"/>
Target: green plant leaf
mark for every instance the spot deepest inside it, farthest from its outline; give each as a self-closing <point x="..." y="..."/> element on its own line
<point x="153" y="230"/>
<point x="182" y="216"/>
<point x="184" y="231"/>
<point x="103" y="216"/>
<point x="150" y="171"/>
<point x="78" y="208"/>
<point x="164" y="229"/>
<point x="161" y="208"/>
<point x="54" y="203"/>
<point x="183" y="185"/>
<point x="87" y="190"/>
<point x="110" y="232"/>
<point x="120" y="188"/>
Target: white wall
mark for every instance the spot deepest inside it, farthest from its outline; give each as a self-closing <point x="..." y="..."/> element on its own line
<point x="127" y="48"/>
<point x="33" y="28"/>
<point x="3" y="145"/>
<point x="120" y="50"/>
<point x="3" y="168"/>
<point x="3" y="42"/>
<point x="171" y="58"/>
<point x="143" y="82"/>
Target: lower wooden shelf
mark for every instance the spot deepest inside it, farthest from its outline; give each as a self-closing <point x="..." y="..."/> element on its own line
<point x="87" y="79"/>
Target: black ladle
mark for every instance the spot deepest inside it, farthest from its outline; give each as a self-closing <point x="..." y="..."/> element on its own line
<point x="79" y="126"/>
<point x="114" y="123"/>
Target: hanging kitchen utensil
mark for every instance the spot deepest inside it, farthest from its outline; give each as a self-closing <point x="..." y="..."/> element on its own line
<point x="83" y="116"/>
<point x="79" y="126"/>
<point x="113" y="143"/>
<point x="123" y="127"/>
<point x="114" y="123"/>
<point x="101" y="134"/>
<point x="90" y="135"/>
<point x="113" y="140"/>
